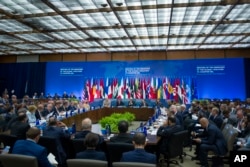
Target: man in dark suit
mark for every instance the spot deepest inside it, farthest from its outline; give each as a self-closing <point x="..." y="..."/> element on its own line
<point x="123" y="136"/>
<point x="164" y="132"/>
<point x="20" y="127"/>
<point x="216" y="117"/>
<point x="213" y="140"/>
<point x="91" y="141"/>
<point x="30" y="147"/>
<point x="139" y="154"/>
<point x="119" y="102"/>
<point x="53" y="130"/>
<point x="86" y="128"/>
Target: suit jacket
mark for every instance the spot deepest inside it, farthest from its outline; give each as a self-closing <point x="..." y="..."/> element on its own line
<point x="19" y="129"/>
<point x="82" y="134"/>
<point x="57" y="133"/>
<point x="122" y="138"/>
<point x="91" y="154"/>
<point x="28" y="147"/>
<point x="165" y="133"/>
<point x="139" y="155"/>
<point x="218" y="120"/>
<point x="215" y="137"/>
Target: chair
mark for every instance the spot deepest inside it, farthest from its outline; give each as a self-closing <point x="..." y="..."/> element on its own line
<point x="50" y="144"/>
<point x="230" y="134"/>
<point x="86" y="163"/>
<point x="132" y="164"/>
<point x="115" y="151"/>
<point x="78" y="145"/>
<point x="175" y="147"/>
<point x="11" y="160"/>
<point x="8" y="140"/>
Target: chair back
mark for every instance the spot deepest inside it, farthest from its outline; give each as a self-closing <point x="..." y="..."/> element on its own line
<point x="50" y="144"/>
<point x="78" y="145"/>
<point x="8" y="140"/>
<point x="115" y="150"/>
<point x="175" y="144"/>
<point x="132" y="164"/>
<point x="230" y="135"/>
<point x="11" y="160"/>
<point x="86" y="163"/>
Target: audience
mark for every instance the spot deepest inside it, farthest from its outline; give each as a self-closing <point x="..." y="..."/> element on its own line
<point x="31" y="148"/>
<point x="91" y="142"/>
<point x="122" y="136"/>
<point x="139" y="154"/>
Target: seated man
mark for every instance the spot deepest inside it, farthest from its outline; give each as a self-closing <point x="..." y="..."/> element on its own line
<point x="86" y="128"/>
<point x="164" y="132"/>
<point x="106" y="103"/>
<point x="30" y="147"/>
<point x="54" y="130"/>
<point x="122" y="136"/>
<point x="119" y="102"/>
<point x="213" y="140"/>
<point x="20" y="127"/>
<point x="139" y="154"/>
<point x="131" y="103"/>
<point x="91" y="141"/>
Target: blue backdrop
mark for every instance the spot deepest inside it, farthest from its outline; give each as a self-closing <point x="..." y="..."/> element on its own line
<point x="210" y="78"/>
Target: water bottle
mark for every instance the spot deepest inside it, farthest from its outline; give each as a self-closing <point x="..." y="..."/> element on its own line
<point x="141" y="127"/>
<point x="108" y="129"/>
<point x="37" y="122"/>
<point x="73" y="129"/>
<point x="66" y="115"/>
<point x="6" y="150"/>
<point x="145" y="131"/>
<point x="71" y="112"/>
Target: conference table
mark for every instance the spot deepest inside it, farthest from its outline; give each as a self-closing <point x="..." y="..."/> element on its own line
<point x="141" y="114"/>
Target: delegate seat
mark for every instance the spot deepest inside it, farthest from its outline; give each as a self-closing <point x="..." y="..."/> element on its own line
<point x="12" y="160"/>
<point x="175" y="148"/>
<point x="86" y="163"/>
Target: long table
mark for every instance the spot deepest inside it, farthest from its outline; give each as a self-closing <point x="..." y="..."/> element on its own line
<point x="141" y="114"/>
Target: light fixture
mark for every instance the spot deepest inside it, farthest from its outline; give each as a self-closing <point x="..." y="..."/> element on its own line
<point x="119" y="4"/>
<point x="104" y="5"/>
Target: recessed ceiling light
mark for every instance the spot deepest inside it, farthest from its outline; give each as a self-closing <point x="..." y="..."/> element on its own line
<point x="104" y="5"/>
<point x="119" y="4"/>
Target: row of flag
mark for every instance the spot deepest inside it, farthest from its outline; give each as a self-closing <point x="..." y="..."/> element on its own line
<point x="182" y="90"/>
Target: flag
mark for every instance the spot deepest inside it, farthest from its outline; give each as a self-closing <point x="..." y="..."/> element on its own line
<point x="170" y="90"/>
<point x="183" y="93"/>
<point x="110" y="89"/>
<point x="106" y="88"/>
<point x="164" y="88"/>
<point x="193" y="89"/>
<point x="121" y="89"/>
<point x="101" y="88"/>
<point x="144" y="89"/>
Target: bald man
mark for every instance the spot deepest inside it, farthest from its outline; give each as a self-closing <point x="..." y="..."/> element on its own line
<point x="86" y="128"/>
<point x="212" y="139"/>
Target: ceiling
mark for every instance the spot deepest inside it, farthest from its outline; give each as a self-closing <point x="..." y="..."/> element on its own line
<point x="81" y="26"/>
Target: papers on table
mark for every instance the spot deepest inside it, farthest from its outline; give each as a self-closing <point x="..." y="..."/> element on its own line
<point x="52" y="159"/>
